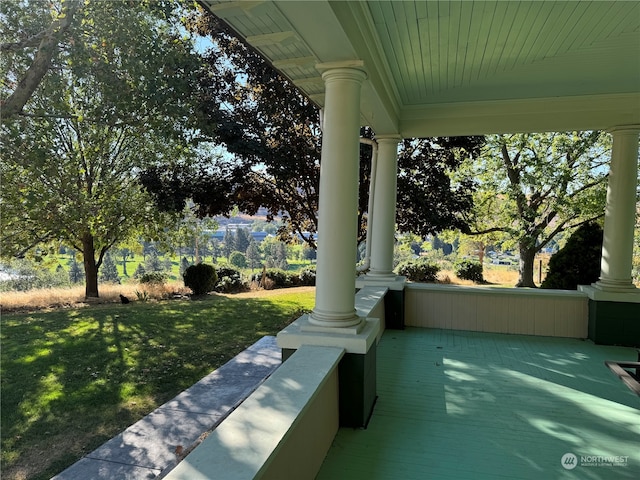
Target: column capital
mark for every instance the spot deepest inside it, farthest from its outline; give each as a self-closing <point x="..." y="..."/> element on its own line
<point x="344" y="74"/>
<point x="388" y="138"/>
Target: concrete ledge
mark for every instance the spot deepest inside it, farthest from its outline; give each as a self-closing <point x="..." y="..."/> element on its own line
<point x="153" y="444"/>
<point x="370" y="303"/>
<point x="283" y="430"/>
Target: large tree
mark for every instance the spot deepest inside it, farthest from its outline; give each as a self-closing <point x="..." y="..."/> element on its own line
<point x="531" y="187"/>
<point x="116" y="98"/>
<point x="273" y="134"/>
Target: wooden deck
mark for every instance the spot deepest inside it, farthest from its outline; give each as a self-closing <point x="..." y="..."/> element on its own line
<point x="467" y="405"/>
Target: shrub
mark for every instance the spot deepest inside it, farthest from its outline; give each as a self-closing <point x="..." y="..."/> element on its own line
<point x="200" y="278"/>
<point x="308" y="277"/>
<point x="140" y="271"/>
<point x="229" y="280"/>
<point x="280" y="278"/>
<point x="469" y="270"/>
<point x="578" y="262"/>
<point x="154" y="278"/>
<point x="418" y="271"/>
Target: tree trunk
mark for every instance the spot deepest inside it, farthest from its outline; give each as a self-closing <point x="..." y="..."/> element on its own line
<point x="527" y="258"/>
<point x="90" y="267"/>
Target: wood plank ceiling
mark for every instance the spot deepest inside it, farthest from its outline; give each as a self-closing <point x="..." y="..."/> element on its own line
<point x="460" y="67"/>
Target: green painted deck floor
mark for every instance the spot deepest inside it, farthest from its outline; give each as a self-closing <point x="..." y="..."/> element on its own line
<point x="467" y="405"/>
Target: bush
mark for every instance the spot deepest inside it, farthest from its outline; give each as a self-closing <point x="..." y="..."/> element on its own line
<point x="280" y="278"/>
<point x="229" y="281"/>
<point x="578" y="262"/>
<point x="469" y="270"/>
<point x="155" y="278"/>
<point x="418" y="271"/>
<point x="308" y="277"/>
<point x="200" y="278"/>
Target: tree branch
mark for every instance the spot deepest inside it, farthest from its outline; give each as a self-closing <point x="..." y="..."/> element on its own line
<point x="14" y="104"/>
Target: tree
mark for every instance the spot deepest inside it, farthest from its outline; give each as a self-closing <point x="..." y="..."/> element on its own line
<point x="116" y="99"/>
<point x="531" y="187"/>
<point x="75" y="272"/>
<point x="184" y="264"/>
<point x="152" y="263"/>
<point x="578" y="262"/>
<point x="238" y="259"/>
<point x="273" y="134"/>
<point x="242" y="239"/>
<point x="228" y="242"/>
<point x="429" y="201"/>
<point x="253" y="254"/>
<point x="109" y="272"/>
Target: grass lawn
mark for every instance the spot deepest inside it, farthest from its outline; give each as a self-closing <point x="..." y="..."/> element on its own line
<point x="71" y="379"/>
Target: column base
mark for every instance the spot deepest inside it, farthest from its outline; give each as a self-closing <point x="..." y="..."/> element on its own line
<point x="356" y="371"/>
<point x="615" y="287"/>
<point x="614" y="317"/>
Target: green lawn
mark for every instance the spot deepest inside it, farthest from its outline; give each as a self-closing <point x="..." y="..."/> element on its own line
<point x="72" y="379"/>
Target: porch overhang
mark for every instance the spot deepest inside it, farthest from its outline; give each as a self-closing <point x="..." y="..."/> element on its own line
<point x="463" y="68"/>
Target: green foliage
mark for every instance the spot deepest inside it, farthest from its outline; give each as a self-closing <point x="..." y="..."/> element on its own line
<point x="277" y="278"/>
<point x="229" y="280"/>
<point x="469" y="270"/>
<point x="76" y="273"/>
<point x="109" y="271"/>
<point x="142" y="296"/>
<point x="238" y="259"/>
<point x="200" y="278"/>
<point x="578" y="262"/>
<point x="308" y="277"/>
<point x="140" y="271"/>
<point x="418" y="271"/>
<point x="154" y="278"/>
<point x="184" y="264"/>
<point x="253" y="254"/>
<point x="117" y="97"/>
<point x="533" y="186"/>
<point x="152" y="263"/>
<point x="25" y="275"/>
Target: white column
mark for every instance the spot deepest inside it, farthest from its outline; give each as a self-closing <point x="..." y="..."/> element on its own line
<point x="620" y="212"/>
<point x="338" y="200"/>
<point x="384" y="209"/>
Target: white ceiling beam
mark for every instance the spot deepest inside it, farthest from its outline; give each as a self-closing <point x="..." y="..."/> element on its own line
<point x="276" y="38"/>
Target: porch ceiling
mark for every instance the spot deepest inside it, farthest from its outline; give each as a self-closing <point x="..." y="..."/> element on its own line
<point x="455" y="68"/>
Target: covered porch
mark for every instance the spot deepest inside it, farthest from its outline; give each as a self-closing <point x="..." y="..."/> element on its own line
<point x="459" y="404"/>
<point x="422" y="69"/>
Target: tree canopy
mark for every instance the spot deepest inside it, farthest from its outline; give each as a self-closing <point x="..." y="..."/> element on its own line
<point x="273" y="135"/>
<point x="530" y="187"/>
<point x="117" y="97"/>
